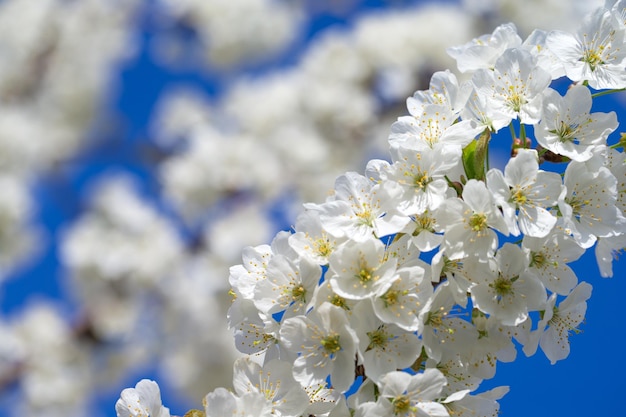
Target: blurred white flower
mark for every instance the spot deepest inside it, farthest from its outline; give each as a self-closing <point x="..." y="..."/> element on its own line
<point x="142" y="401"/>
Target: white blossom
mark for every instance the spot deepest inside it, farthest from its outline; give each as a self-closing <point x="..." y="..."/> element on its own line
<point x="416" y="182"/>
<point x="515" y="85"/>
<point x="326" y="346"/>
<point x="524" y="192"/>
<point x="384" y="347"/>
<point x="588" y="204"/>
<point x="514" y="291"/>
<point x="567" y="128"/>
<point x="549" y="257"/>
<point x="359" y="271"/>
<point x="469" y="222"/>
<point x="483" y="52"/>
<point x="274" y="381"/>
<point x="402" y="394"/>
<point x="402" y="284"/>
<point x="142" y="401"/>
<point x="558" y="323"/>
<point x="594" y="53"/>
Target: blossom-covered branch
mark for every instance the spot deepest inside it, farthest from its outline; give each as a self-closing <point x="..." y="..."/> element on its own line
<point x="400" y="293"/>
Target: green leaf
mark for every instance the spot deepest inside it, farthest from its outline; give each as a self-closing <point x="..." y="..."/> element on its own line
<point x="468" y="159"/>
<point x="475" y="156"/>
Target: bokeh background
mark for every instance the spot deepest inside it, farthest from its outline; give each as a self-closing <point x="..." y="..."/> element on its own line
<point x="144" y="143"/>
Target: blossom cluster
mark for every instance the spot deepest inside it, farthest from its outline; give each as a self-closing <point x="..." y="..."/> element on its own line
<point x="115" y="304"/>
<point x="135" y="288"/>
<point x="399" y="294"/>
<point x="36" y="103"/>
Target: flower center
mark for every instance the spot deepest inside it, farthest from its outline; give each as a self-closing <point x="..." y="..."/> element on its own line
<point x="378" y="339"/>
<point x="421" y="180"/>
<point x="515" y="99"/>
<point x="478" y="222"/>
<point x="365" y="275"/>
<point x="423" y="222"/>
<point x="401" y="404"/>
<point x="577" y="204"/>
<point x="519" y="198"/>
<point x="563" y="322"/>
<point x="537" y="259"/>
<point x="324" y="247"/>
<point x="339" y="301"/>
<point x="567" y="132"/>
<point x="365" y="217"/>
<point x="450" y="265"/>
<point x="593" y="57"/>
<point x="298" y="292"/>
<point x="502" y="287"/>
<point x="434" y="318"/>
<point x="331" y="343"/>
<point x="264" y="340"/>
<point x="390" y="297"/>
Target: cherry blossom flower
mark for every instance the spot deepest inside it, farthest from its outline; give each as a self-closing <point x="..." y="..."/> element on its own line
<point x="289" y="285"/>
<point x="402" y="394"/>
<point x="326" y="345"/>
<point x="435" y="124"/>
<point x="567" y="128"/>
<point x="274" y="381"/>
<point x="384" y="347"/>
<point x="416" y="182"/>
<point x="513" y="293"/>
<point x="403" y="301"/>
<point x="557" y="323"/>
<point x="444" y="90"/>
<point x="483" y="52"/>
<point x="524" y="192"/>
<point x="357" y="210"/>
<point x="468" y="223"/>
<point x="310" y="240"/>
<point x="142" y="401"/>
<point x="484" y="112"/>
<point x="359" y="271"/>
<point x="515" y="86"/>
<point x="594" y="53"/>
<point x="549" y="257"/>
<point x="588" y="204"/>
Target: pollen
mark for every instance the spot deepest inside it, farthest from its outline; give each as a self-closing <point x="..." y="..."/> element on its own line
<point x="537" y="259"/>
<point x="378" y="339"/>
<point x="423" y="222"/>
<point x="421" y="179"/>
<point x="390" y="297"/>
<point x="478" y="222"/>
<point x="298" y="293"/>
<point x="331" y="344"/>
<point x="365" y="216"/>
<point x="401" y="405"/>
<point x="364" y="275"/>
<point x="339" y="302"/>
<point x="566" y="132"/>
<point x="502" y="287"/>
<point x="434" y="319"/>
<point x="564" y="323"/>
<point x="519" y="198"/>
<point x="323" y="247"/>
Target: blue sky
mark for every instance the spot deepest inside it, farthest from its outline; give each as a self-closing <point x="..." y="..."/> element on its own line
<point x="589" y="382"/>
